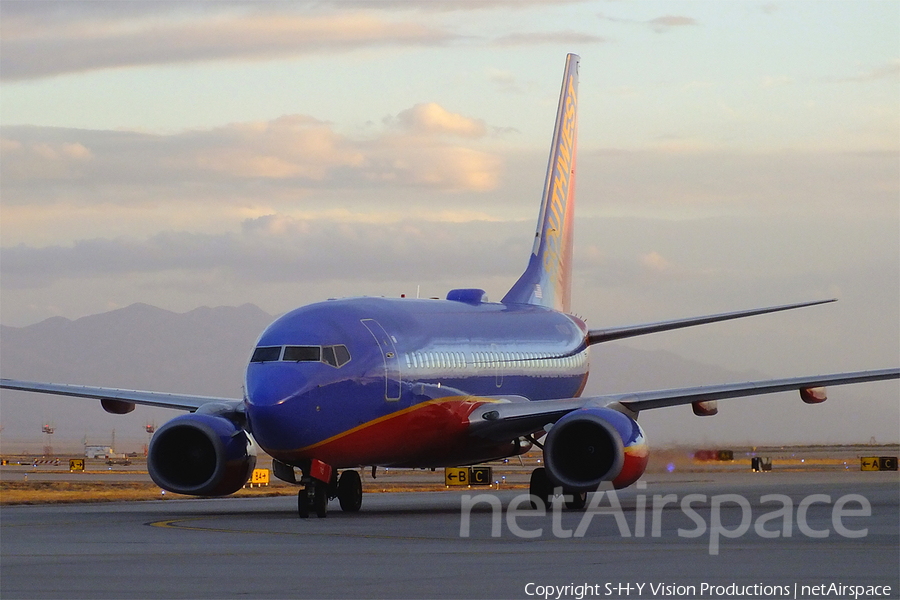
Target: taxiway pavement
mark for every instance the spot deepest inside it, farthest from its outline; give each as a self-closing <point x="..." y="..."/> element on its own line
<point x="410" y="545"/>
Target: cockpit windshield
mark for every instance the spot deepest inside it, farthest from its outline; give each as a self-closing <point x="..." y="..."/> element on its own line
<point x="266" y="354"/>
<point x="302" y="353"/>
<point x="336" y="355"/>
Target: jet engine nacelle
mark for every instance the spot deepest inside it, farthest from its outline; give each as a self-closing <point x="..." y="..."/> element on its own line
<point x="201" y="455"/>
<point x="592" y="445"/>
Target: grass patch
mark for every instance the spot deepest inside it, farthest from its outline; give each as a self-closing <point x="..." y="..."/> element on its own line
<point x="46" y="492"/>
<point x="63" y="492"/>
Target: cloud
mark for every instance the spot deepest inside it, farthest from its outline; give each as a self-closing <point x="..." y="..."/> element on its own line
<point x="655" y="262"/>
<point x="280" y="248"/>
<point x="890" y="71"/>
<point x="662" y="24"/>
<point x="779" y="81"/>
<point x="289" y="147"/>
<point x="554" y="37"/>
<point x="292" y="150"/>
<point x="449" y="5"/>
<point x="47" y="39"/>
<point x="431" y="118"/>
<point x="505" y="81"/>
<point x="689" y="180"/>
<point x="43" y="160"/>
<point x="667" y="22"/>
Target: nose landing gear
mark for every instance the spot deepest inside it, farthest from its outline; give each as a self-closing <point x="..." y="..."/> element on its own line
<point x="314" y="495"/>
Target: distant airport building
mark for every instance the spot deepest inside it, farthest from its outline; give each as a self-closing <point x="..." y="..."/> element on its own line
<point x="97" y="451"/>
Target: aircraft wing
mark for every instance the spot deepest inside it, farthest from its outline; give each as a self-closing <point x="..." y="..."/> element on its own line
<point x="597" y="336"/>
<point x="505" y="420"/>
<point x="162" y="399"/>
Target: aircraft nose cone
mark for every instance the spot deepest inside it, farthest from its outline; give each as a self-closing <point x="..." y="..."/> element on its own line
<point x="273" y="402"/>
<point x="274" y="384"/>
<point x="270" y="426"/>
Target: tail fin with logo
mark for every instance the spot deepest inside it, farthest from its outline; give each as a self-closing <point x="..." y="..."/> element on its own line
<point x="547" y="281"/>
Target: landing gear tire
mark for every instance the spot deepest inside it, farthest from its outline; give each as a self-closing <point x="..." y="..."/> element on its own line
<point x="579" y="499"/>
<point x="349" y="491"/>
<point x="314" y="496"/>
<point x="303" y="503"/>
<point x="541" y="487"/>
<point x="320" y="500"/>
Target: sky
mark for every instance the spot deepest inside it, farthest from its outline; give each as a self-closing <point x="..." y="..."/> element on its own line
<point x="730" y="155"/>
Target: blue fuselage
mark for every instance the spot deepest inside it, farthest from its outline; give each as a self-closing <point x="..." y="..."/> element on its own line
<point x="375" y="381"/>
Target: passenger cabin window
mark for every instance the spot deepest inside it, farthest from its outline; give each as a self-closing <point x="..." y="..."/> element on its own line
<point x="266" y="354"/>
<point x="302" y="354"/>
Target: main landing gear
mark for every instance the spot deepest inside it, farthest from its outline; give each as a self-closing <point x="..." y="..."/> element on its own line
<point x="542" y="488"/>
<point x="315" y="494"/>
<point x="349" y="491"/>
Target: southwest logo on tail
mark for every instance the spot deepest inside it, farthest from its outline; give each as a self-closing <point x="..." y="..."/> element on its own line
<point x="548" y="279"/>
<point x="363" y="382"/>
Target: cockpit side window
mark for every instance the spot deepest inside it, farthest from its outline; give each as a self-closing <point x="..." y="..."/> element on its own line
<point x="328" y="356"/>
<point x="266" y="354"/>
<point x="302" y="354"/>
<point x="336" y="356"/>
<point x="341" y="354"/>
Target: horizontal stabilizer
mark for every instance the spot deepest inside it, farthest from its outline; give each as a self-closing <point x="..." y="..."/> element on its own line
<point x="597" y="336"/>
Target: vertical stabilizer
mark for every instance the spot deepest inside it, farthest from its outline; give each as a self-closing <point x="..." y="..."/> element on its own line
<point x="547" y="281"/>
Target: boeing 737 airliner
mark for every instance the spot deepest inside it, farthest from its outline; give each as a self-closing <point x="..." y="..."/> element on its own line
<point x="343" y="384"/>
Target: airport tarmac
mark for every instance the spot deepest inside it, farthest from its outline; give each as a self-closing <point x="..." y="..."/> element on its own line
<point x="412" y="545"/>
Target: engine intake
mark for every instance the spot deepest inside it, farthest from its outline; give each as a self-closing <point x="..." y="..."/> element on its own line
<point x="201" y="455"/>
<point x="592" y="445"/>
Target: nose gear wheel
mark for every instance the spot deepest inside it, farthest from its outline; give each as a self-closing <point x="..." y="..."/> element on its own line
<point x="314" y="496"/>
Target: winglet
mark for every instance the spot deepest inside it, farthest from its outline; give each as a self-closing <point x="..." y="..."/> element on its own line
<point x="547" y="281"/>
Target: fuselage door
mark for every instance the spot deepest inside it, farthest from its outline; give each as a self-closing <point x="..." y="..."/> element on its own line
<point x="499" y="365"/>
<point x="391" y="360"/>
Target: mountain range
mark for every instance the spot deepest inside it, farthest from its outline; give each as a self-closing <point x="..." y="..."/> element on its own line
<point x="205" y="351"/>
